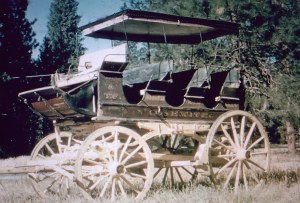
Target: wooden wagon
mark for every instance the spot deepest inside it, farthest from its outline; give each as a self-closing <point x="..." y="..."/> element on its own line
<point x="119" y="128"/>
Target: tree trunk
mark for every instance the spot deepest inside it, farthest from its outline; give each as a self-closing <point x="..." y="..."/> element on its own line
<point x="290" y="138"/>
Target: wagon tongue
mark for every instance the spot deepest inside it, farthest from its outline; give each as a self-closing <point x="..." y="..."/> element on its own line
<point x="144" y="26"/>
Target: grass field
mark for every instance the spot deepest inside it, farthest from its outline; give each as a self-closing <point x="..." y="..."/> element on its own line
<point x="282" y="184"/>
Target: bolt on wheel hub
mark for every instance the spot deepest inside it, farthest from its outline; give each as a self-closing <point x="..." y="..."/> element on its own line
<point x="115" y="168"/>
<point x="242" y="154"/>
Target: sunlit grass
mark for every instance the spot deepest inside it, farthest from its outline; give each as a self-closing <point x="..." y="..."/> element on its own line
<point x="281" y="184"/>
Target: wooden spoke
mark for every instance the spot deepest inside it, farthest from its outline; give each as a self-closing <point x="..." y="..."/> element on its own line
<point x="229" y="163"/>
<point x="226" y="155"/>
<point x="124" y="148"/>
<point x="131" y="154"/>
<point x="157" y="172"/>
<point x="69" y="141"/>
<point x="242" y="131"/>
<point x="130" y="185"/>
<point x="179" y="175"/>
<point x="169" y="141"/>
<point x="227" y="136"/>
<point x="135" y="164"/>
<point x="93" y="162"/>
<point x="172" y="176"/>
<point x="121" y="188"/>
<point x="187" y="171"/>
<point x="255" y="143"/>
<point x="98" y="181"/>
<point x="136" y="175"/>
<point x="110" y="137"/>
<point x="252" y="173"/>
<point x="249" y="134"/>
<point x="256" y="164"/>
<point x="76" y="141"/>
<point x="113" y="189"/>
<point x="49" y="149"/>
<point x="230" y="175"/>
<point x="105" y="186"/>
<point x="233" y="129"/>
<point x="245" y="178"/>
<point x="223" y="145"/>
<point x="93" y="173"/>
<point x="116" y="134"/>
<point x="165" y="176"/>
<point x="174" y="141"/>
<point x="237" y="177"/>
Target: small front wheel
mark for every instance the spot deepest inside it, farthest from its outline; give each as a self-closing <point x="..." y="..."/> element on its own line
<point x="114" y="161"/>
<point x="47" y="149"/>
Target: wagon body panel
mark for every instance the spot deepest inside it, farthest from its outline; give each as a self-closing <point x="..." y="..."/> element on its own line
<point x="55" y="103"/>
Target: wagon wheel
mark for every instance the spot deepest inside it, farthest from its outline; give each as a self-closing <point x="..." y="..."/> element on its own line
<point x="52" y="181"/>
<point x="239" y="150"/>
<point x="166" y="143"/>
<point x="114" y="161"/>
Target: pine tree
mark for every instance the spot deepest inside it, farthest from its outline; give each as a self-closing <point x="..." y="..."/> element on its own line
<point x="16" y="45"/>
<point x="62" y="45"/>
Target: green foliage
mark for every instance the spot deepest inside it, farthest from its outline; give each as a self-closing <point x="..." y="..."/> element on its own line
<point x="62" y="45"/>
<point x="15" y="52"/>
<point x="16" y="45"/>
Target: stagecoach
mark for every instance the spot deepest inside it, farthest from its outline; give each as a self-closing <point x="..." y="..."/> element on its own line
<point x="122" y="127"/>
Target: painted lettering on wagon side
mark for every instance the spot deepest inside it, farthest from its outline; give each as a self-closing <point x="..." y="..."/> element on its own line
<point x="111" y="96"/>
<point x="133" y="112"/>
<point x="179" y="114"/>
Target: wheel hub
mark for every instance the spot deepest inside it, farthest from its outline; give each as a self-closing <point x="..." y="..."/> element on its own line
<point x="115" y="168"/>
<point x="120" y="169"/>
<point x="242" y="154"/>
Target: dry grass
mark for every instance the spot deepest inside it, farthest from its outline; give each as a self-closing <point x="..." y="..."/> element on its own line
<point x="274" y="191"/>
<point x="282" y="185"/>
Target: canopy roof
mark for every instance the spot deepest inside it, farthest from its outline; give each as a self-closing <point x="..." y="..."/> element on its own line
<point x="144" y="26"/>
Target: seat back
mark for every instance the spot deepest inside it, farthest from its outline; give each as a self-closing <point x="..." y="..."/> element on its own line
<point x="92" y="61"/>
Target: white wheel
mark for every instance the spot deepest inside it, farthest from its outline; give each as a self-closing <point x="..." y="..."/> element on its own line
<point x="239" y="150"/>
<point x="114" y="161"/>
<point x="51" y="181"/>
<point x="163" y="144"/>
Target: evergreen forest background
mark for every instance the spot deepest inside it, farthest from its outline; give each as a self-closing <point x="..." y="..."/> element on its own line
<point x="267" y="52"/>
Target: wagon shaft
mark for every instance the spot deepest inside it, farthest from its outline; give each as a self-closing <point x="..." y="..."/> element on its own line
<point x="23" y="169"/>
<point x="35" y="166"/>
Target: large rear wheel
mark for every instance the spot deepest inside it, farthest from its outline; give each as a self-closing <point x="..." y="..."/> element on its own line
<point x="239" y="150"/>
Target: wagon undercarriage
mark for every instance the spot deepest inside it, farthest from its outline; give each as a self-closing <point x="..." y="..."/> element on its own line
<point x="115" y="160"/>
<point x="118" y="131"/>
